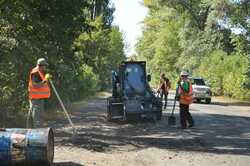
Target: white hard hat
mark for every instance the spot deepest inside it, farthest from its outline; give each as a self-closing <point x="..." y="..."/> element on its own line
<point x="42" y="61"/>
<point x="184" y="73"/>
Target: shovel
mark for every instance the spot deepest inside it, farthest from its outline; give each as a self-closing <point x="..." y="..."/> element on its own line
<point x="171" y="118"/>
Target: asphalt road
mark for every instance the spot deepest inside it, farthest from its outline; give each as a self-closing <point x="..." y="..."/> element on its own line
<point x="221" y="136"/>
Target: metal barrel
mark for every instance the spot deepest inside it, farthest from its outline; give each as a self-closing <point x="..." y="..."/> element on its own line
<point x="26" y="146"/>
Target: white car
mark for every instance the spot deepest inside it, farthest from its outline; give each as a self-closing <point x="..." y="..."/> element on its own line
<point x="200" y="90"/>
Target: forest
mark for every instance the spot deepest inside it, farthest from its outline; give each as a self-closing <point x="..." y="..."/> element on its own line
<point x="75" y="36"/>
<point x="208" y="38"/>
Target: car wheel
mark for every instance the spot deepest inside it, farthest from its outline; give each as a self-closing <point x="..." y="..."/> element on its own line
<point x="159" y="115"/>
<point x="132" y="117"/>
<point x="208" y="101"/>
<point x="198" y="100"/>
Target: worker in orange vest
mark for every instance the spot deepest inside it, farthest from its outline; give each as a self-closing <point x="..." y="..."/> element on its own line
<point x="185" y="92"/>
<point x="39" y="90"/>
<point x="163" y="89"/>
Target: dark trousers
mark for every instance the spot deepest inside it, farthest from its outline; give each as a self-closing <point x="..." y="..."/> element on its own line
<point x="165" y="95"/>
<point x="185" y="116"/>
<point x="34" y="118"/>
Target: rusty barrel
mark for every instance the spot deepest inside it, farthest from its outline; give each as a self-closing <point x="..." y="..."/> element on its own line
<point x="26" y="146"/>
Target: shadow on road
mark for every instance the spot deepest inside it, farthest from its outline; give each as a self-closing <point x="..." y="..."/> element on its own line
<point x="67" y="164"/>
<point x="213" y="133"/>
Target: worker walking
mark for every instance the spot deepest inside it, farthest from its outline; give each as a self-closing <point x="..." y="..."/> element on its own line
<point x="185" y="93"/>
<point x="164" y="88"/>
<point x="38" y="90"/>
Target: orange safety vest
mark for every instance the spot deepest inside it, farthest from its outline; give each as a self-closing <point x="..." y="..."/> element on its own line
<point x="186" y="98"/>
<point x="42" y="92"/>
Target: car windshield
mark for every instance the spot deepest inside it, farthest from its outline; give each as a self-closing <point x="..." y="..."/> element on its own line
<point x="198" y="82"/>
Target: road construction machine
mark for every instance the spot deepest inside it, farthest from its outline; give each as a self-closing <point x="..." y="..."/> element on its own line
<point x="132" y="98"/>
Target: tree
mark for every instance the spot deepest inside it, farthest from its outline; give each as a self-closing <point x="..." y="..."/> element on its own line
<point x="182" y="34"/>
<point x="51" y="29"/>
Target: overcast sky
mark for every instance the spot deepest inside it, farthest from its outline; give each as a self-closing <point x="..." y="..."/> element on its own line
<point x="128" y="16"/>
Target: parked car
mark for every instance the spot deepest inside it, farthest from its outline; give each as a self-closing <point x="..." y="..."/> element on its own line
<point x="201" y="90"/>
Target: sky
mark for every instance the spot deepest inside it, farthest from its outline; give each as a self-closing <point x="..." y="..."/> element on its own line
<point x="129" y="15"/>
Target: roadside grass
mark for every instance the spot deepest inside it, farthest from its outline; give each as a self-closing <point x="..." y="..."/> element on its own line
<point x="230" y="101"/>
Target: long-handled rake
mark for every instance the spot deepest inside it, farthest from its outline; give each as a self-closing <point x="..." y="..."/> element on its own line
<point x="63" y="107"/>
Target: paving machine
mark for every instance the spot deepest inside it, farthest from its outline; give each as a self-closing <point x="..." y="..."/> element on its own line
<point x="132" y="98"/>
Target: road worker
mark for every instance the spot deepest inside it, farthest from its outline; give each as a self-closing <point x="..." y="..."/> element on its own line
<point x="185" y="93"/>
<point x="38" y="90"/>
<point x="163" y="89"/>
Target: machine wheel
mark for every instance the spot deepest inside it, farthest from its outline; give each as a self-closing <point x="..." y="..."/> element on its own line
<point x="208" y="101"/>
<point x="132" y="117"/>
<point x="109" y="117"/>
<point x="159" y="115"/>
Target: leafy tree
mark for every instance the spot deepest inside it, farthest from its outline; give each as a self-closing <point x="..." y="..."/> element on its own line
<point x="58" y="31"/>
<point x="101" y="49"/>
<point x="201" y="36"/>
<point x="116" y="48"/>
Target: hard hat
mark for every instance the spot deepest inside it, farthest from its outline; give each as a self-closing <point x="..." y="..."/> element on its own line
<point x="184" y="73"/>
<point x="42" y="61"/>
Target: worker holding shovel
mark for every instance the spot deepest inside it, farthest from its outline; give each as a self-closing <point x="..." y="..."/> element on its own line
<point x="39" y="90"/>
<point x="185" y="93"/>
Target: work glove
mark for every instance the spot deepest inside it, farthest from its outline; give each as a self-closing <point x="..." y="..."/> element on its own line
<point x="48" y="76"/>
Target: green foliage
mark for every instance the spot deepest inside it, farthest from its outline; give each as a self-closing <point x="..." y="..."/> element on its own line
<point x="236" y="66"/>
<point x="79" y="83"/>
<point x="116" y="49"/>
<point x="75" y="36"/>
<point x="207" y="38"/>
<point x="225" y="73"/>
<point x="102" y="49"/>
<point x="212" y="68"/>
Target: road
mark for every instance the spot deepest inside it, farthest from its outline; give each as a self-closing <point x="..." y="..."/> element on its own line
<point x="221" y="137"/>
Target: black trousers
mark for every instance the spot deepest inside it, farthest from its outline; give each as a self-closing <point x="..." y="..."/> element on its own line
<point x="185" y="116"/>
<point x="165" y="95"/>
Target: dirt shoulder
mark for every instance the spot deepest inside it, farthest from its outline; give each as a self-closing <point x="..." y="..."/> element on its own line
<point x="230" y="101"/>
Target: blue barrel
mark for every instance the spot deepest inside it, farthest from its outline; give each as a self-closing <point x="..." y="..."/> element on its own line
<point x="26" y="146"/>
